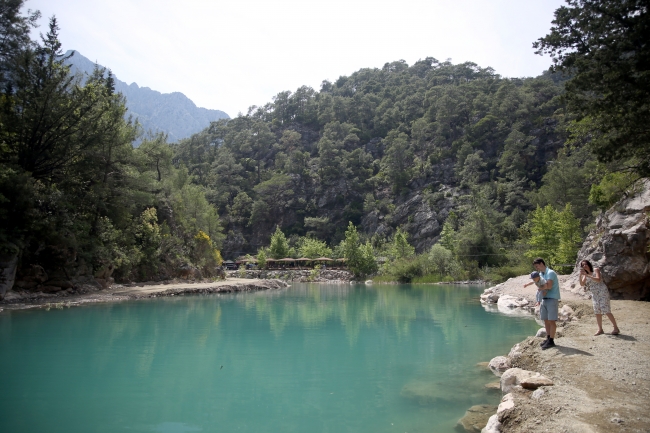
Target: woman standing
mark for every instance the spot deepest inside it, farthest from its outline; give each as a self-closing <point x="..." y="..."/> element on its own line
<point x="599" y="295"/>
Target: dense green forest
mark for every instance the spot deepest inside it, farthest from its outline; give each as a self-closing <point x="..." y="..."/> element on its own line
<point x="445" y="169"/>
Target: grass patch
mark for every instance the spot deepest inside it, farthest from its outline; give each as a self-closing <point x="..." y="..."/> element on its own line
<point x="430" y="279"/>
<point x="384" y="279"/>
<point x="502" y="273"/>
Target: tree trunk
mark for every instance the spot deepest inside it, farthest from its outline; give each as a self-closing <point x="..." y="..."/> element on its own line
<point x="8" y="266"/>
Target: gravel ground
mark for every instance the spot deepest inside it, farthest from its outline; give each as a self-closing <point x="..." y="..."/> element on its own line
<point x="601" y="383"/>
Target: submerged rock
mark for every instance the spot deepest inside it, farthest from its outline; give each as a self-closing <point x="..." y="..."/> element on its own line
<point x="475" y="418"/>
<point x="427" y="393"/>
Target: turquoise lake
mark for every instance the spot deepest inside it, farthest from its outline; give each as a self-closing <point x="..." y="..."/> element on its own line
<point x="309" y="358"/>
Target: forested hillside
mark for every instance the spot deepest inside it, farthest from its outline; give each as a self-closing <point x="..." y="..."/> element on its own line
<point x="401" y="146"/>
<point x="445" y="169"/>
<point x="77" y="200"/>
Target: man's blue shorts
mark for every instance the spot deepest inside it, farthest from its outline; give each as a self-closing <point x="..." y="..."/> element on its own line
<point x="548" y="309"/>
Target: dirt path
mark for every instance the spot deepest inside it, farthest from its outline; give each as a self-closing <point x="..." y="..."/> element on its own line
<point x="601" y="383"/>
<point x="118" y="292"/>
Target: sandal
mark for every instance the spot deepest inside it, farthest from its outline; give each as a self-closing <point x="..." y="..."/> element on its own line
<point x="616" y="332"/>
<point x="600" y="332"/>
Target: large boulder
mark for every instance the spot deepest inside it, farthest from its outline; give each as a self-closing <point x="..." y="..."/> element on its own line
<point x="618" y="245"/>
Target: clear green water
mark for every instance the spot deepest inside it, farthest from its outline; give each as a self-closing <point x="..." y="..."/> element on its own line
<point x="311" y="358"/>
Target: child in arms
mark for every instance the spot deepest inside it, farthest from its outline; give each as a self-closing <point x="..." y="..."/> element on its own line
<point x="539" y="281"/>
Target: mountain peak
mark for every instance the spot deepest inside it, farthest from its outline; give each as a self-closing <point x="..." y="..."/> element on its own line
<point x="172" y="113"/>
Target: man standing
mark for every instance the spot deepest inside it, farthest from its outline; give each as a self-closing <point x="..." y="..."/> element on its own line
<point x="549" y="306"/>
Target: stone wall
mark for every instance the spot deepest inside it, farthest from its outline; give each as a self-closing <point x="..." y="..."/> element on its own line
<point x="618" y="245"/>
<point x="298" y="276"/>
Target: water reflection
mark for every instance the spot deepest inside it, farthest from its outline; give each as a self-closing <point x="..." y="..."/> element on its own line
<point x="356" y="307"/>
<point x="307" y="358"/>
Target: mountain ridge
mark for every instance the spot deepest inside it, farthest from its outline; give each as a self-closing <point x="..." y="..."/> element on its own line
<point x="171" y="113"/>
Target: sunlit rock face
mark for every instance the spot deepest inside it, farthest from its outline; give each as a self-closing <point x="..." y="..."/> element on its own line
<point x="618" y="245"/>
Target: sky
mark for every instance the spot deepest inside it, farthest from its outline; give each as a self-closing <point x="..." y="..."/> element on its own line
<point x="230" y="55"/>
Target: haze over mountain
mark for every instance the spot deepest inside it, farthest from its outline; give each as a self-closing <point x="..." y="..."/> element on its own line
<point x="172" y="113"/>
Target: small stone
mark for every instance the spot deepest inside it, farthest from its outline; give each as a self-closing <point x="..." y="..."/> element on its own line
<point x="535" y="382"/>
<point x="538" y="393"/>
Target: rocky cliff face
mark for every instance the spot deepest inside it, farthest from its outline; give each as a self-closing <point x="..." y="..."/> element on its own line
<point x="618" y="245"/>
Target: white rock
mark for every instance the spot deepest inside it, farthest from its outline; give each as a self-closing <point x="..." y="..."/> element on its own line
<point x="538" y="393"/>
<point x="368" y="281"/>
<point x="499" y="364"/>
<point x="510" y="301"/>
<point x="489" y="298"/>
<point x="516" y="379"/>
<point x="493" y="425"/>
<point x="515" y="352"/>
<point x="565" y="313"/>
<point x="541" y="333"/>
<point x="510" y="379"/>
<point x="506" y="405"/>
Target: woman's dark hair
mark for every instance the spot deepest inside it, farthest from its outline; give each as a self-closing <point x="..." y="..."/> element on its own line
<point x="539" y="260"/>
<point x="588" y="263"/>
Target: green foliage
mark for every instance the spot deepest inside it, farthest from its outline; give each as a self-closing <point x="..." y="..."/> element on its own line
<point x="314" y="273"/>
<point x="611" y="188"/>
<point x="148" y="239"/>
<point x="554" y="236"/>
<point x="448" y="233"/>
<point x="439" y="264"/>
<point x="206" y="256"/>
<point x="442" y="262"/>
<point x="279" y="247"/>
<point x="602" y="45"/>
<point x="569" y="180"/>
<point x="261" y="258"/>
<point x="313" y="248"/>
<point x="400" y="247"/>
<point x="544" y="239"/>
<point x="74" y="193"/>
<point x="359" y="257"/>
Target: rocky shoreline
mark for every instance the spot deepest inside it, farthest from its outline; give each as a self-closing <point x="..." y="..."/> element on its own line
<point x="586" y="384"/>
